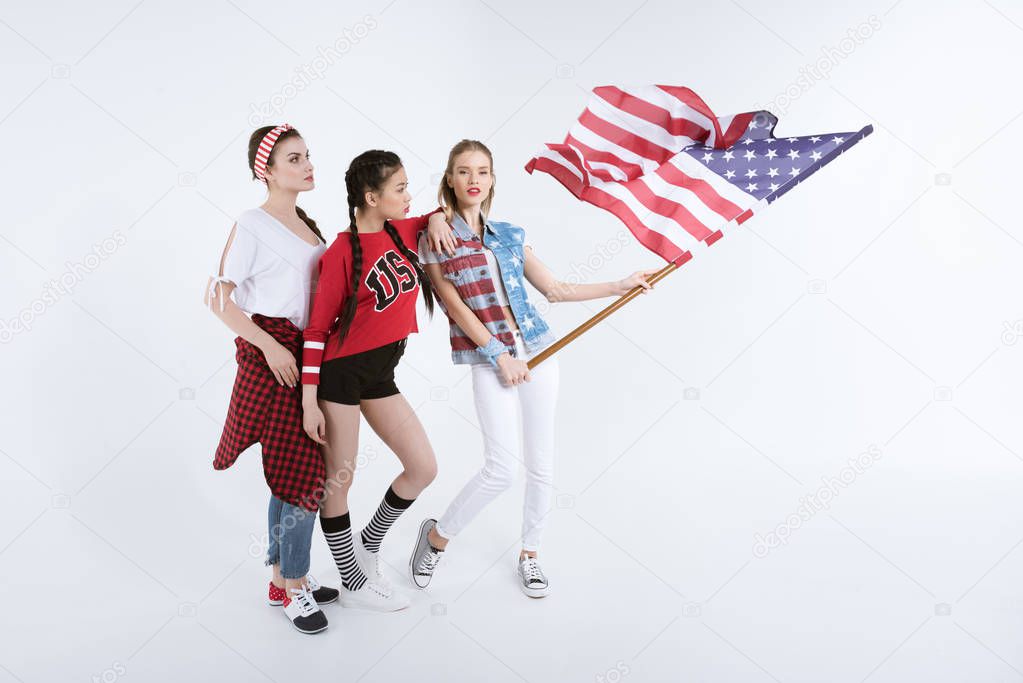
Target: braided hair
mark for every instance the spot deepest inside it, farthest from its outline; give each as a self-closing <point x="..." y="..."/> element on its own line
<point x="367" y="173"/>
<point x="254" y="140"/>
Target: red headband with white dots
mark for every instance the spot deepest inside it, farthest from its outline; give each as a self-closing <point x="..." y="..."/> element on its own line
<point x="265" y="147"/>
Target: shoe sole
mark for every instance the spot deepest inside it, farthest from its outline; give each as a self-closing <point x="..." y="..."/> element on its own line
<point x="302" y="630"/>
<point x="412" y="560"/>
<point x="319" y="630"/>
<point x="371" y="608"/>
<point x="536" y="592"/>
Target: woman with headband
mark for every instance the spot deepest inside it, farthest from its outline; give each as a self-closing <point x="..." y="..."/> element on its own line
<point x="267" y="271"/>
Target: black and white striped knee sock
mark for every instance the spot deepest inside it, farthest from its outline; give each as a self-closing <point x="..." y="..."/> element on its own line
<point x="338" y="532"/>
<point x="390" y="510"/>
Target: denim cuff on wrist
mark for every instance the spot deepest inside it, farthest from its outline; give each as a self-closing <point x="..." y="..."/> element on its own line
<point x="492" y="350"/>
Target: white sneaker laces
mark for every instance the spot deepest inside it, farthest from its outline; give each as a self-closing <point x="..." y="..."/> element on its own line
<point x="304" y="598"/>
<point x="374" y="563"/>
<point x="428" y="562"/>
<point x="531" y="570"/>
<point x="378" y="589"/>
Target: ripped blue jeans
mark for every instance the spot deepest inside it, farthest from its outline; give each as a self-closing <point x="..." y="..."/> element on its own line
<point x="291" y="533"/>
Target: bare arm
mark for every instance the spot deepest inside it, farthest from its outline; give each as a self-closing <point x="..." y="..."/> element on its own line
<point x="555" y="290"/>
<point x="218" y="299"/>
<point x="440" y="234"/>
<point x="234" y="317"/>
<point x="513" y="370"/>
<point x="456" y="308"/>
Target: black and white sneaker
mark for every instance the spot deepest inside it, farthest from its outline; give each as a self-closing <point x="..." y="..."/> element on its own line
<point x="531" y="578"/>
<point x="424" y="556"/>
<point x="301" y="608"/>
<point x="322" y="594"/>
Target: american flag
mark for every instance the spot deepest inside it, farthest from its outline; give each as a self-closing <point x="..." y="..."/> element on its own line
<point x="658" y="158"/>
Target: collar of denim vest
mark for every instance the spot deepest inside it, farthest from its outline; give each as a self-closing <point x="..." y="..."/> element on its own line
<point x="463" y="230"/>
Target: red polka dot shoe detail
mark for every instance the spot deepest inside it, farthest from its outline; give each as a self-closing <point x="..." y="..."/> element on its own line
<point x="322" y="594"/>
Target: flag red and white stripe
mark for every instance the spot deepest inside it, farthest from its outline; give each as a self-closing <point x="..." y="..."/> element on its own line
<point x="625" y="154"/>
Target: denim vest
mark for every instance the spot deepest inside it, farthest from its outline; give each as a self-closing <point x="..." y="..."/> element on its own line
<point x="468" y="272"/>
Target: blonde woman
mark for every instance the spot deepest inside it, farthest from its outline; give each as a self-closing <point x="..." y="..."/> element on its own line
<point x="495" y="329"/>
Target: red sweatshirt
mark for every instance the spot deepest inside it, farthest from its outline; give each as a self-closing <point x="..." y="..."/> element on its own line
<point x="386" y="301"/>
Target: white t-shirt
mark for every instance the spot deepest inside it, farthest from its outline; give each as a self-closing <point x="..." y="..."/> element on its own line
<point x="495" y="271"/>
<point x="273" y="269"/>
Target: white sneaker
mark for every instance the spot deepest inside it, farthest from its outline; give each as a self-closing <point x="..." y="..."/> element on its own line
<point x="373" y="596"/>
<point x="369" y="563"/>
<point x="303" y="612"/>
<point x="531" y="578"/>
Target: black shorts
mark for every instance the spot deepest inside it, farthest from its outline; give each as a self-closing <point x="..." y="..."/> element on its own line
<point x="369" y="374"/>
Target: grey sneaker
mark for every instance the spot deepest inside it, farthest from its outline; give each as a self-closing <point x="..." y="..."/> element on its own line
<point x="531" y="578"/>
<point x="424" y="557"/>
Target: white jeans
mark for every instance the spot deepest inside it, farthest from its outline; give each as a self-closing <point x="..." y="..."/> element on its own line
<point x="502" y="441"/>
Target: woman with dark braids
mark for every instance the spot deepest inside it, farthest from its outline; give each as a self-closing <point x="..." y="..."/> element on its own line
<point x="267" y="271"/>
<point x="364" y="309"/>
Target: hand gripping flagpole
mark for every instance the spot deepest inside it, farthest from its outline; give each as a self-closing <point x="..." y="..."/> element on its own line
<point x="626" y="298"/>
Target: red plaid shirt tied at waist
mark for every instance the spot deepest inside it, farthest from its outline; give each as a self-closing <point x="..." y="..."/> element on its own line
<point x="262" y="411"/>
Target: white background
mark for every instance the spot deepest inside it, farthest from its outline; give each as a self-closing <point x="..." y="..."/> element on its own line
<point x="875" y="305"/>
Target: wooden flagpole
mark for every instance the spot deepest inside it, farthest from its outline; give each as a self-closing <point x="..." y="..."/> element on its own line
<point x="571" y="336"/>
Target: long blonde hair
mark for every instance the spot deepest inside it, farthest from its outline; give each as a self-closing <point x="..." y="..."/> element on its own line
<point x="446" y="193"/>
